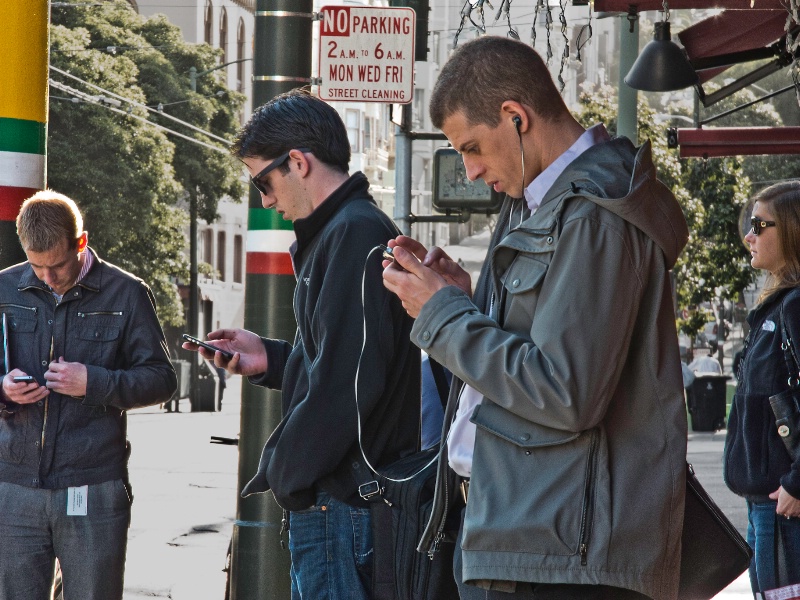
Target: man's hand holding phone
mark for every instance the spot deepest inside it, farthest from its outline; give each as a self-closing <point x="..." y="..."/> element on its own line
<point x="238" y="351"/>
<point x="416" y="273"/>
<point x="22" y="388"/>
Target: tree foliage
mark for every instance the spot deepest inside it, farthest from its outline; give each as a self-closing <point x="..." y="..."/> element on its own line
<point x="132" y="180"/>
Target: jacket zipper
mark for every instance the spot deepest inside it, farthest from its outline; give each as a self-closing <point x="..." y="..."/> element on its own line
<point x="30" y="308"/>
<point x="116" y="313"/>
<point x="588" y="493"/>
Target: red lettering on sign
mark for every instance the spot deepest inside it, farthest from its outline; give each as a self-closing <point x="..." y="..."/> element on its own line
<point x="336" y="20"/>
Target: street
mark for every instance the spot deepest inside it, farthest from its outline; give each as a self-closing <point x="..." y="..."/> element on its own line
<point x="185" y="499"/>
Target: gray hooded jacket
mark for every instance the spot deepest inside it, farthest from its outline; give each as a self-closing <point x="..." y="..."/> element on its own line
<point x="578" y="473"/>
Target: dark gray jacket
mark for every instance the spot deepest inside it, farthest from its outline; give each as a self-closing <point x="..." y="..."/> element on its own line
<point x="107" y="322"/>
<point x="578" y="474"/>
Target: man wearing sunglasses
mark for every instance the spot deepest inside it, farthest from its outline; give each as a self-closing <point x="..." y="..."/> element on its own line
<point x="338" y="396"/>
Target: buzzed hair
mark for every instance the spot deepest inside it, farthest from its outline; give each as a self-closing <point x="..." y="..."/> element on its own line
<point x="46" y="219"/>
<point x="487" y="71"/>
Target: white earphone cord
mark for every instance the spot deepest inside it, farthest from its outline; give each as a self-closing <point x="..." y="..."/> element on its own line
<point x="358" y="369"/>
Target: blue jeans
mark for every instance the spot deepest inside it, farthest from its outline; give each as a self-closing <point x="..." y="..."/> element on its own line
<point x="761" y="525"/>
<point x="331" y="547"/>
<point x="35" y="529"/>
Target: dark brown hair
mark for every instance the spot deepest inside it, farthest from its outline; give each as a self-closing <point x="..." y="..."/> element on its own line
<point x="484" y="73"/>
<point x="783" y="200"/>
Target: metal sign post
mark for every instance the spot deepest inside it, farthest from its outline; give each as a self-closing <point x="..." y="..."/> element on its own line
<point x="366" y="54"/>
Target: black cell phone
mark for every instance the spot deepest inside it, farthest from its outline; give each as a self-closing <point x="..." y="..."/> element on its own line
<point x="22" y="378"/>
<point x="388" y="253"/>
<point x="194" y="340"/>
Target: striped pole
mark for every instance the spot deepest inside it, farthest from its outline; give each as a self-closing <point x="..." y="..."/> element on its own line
<point x="23" y="113"/>
<point x="259" y="565"/>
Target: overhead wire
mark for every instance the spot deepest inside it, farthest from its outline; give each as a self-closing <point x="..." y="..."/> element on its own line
<point x="140" y="105"/>
<point x="103" y="102"/>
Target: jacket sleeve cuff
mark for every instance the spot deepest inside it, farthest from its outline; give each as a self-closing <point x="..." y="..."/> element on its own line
<point x="791" y="481"/>
<point x="277" y="353"/>
<point x="445" y="305"/>
<point x="98" y="382"/>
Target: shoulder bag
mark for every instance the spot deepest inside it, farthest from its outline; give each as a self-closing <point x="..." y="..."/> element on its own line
<point x="401" y="500"/>
<point x="713" y="553"/>
<point x="786" y="405"/>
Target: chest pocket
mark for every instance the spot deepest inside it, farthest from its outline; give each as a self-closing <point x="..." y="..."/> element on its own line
<point x="520" y="288"/>
<point x="98" y="336"/>
<point x="22" y="343"/>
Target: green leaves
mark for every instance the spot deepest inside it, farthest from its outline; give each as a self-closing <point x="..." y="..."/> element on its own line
<point x="131" y="179"/>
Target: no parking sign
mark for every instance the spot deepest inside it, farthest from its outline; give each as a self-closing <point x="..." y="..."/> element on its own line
<point x="366" y="54"/>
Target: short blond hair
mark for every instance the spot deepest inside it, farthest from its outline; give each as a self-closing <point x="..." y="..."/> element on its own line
<point x="46" y="219"/>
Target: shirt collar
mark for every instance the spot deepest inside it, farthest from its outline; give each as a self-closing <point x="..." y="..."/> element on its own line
<point x="535" y="192"/>
<point x="88" y="261"/>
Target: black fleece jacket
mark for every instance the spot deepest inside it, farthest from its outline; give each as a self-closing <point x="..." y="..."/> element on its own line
<point x="315" y="446"/>
<point x="756" y="461"/>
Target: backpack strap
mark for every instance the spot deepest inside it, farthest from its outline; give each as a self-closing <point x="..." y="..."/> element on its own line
<point x="441" y="380"/>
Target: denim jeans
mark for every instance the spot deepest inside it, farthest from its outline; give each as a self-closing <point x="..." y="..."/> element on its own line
<point x="331" y="548"/>
<point x="761" y="525"/>
<point x="35" y="529"/>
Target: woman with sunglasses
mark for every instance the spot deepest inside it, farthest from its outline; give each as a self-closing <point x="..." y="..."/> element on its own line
<point x="757" y="465"/>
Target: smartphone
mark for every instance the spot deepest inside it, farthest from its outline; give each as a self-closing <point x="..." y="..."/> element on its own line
<point x="388" y="254"/>
<point x="23" y="378"/>
<point x="194" y="340"/>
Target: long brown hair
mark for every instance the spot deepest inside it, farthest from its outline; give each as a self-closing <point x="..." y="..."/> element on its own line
<point x="783" y="200"/>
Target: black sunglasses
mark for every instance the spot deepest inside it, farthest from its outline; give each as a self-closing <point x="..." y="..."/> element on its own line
<point x="256" y="179"/>
<point x="757" y="224"/>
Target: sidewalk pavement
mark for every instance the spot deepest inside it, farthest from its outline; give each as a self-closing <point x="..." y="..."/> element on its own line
<point x="185" y="499"/>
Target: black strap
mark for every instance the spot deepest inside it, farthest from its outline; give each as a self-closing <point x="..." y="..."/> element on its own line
<point x="383" y="581"/>
<point x="789" y="355"/>
<point x="441" y="380"/>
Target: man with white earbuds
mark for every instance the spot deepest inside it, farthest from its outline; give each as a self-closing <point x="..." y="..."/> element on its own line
<point x="568" y="435"/>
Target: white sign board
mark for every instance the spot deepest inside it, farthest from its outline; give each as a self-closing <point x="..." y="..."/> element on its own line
<point x="366" y="54"/>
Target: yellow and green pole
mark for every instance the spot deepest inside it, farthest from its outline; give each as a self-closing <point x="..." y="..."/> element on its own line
<point x="24" y="55"/>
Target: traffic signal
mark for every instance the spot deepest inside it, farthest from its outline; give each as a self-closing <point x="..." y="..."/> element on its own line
<point x="452" y="190"/>
<point x="421" y="8"/>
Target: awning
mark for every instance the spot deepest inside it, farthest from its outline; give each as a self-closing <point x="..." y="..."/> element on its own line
<point x="745" y="31"/>
<point x="735" y="141"/>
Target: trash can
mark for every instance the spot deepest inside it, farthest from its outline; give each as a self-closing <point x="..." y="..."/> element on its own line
<point x="182" y="371"/>
<point x="706" y="399"/>
<point x="207" y="382"/>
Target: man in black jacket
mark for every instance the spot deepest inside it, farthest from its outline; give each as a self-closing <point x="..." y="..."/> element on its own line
<point x="88" y="334"/>
<point x="339" y="397"/>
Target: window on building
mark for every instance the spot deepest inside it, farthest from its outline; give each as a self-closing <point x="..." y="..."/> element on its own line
<point x="206" y="246"/>
<point x="352" y="119"/>
<point x="223" y="35"/>
<point x="238" y="258"/>
<point x="221" y="254"/>
<point x="240" y="57"/>
<point x="418" y="109"/>
<point x="209" y="19"/>
<point x="367" y="141"/>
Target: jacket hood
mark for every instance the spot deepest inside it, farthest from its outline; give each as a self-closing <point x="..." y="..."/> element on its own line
<point x="622" y="179"/>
